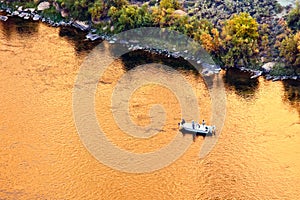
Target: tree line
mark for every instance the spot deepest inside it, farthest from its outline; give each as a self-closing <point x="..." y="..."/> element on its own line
<point x="236" y="43"/>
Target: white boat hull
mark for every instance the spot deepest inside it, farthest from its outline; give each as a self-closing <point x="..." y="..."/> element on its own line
<point x="197" y="128"/>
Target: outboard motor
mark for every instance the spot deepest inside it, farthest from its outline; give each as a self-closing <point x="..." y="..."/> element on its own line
<point x="182" y="121"/>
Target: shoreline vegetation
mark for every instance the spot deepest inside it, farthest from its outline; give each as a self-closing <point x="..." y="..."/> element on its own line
<point x="258" y="36"/>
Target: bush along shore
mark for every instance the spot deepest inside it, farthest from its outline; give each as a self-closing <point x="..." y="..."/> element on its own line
<point x="258" y="36"/>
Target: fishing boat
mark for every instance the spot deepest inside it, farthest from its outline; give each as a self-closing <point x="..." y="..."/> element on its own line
<point x="196" y="128"/>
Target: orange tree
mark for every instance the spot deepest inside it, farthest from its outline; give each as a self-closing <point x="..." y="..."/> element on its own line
<point x="211" y="42"/>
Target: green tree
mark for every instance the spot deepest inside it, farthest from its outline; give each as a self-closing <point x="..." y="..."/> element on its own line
<point x="163" y="14"/>
<point x="78" y="8"/>
<point x="166" y="4"/>
<point x="115" y="3"/>
<point x="86" y="9"/>
<point x="162" y="17"/>
<point x="293" y="19"/>
<point x="130" y="16"/>
<point x="97" y="9"/>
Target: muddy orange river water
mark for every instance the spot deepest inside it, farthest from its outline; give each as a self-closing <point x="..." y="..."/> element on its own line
<point x="42" y="156"/>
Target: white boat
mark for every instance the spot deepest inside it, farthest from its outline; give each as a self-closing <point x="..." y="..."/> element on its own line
<point x="197" y="128"/>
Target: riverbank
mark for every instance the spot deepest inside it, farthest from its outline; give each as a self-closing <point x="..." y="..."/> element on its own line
<point x="265" y="69"/>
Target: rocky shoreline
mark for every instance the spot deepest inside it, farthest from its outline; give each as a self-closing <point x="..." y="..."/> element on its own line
<point x="265" y="73"/>
<point x="33" y="14"/>
<point x="132" y="45"/>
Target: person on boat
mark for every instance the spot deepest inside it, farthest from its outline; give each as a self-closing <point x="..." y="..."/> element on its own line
<point x="193" y="124"/>
<point x="203" y="122"/>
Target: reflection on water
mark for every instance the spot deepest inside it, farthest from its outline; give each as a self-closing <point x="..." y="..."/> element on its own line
<point x="42" y="157"/>
<point x="292" y="93"/>
<point x="24" y="28"/>
<point x="241" y="82"/>
<point x="139" y="57"/>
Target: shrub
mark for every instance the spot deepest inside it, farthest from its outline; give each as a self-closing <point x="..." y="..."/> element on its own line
<point x="280" y="70"/>
<point x="130" y="16"/>
<point x="52" y="14"/>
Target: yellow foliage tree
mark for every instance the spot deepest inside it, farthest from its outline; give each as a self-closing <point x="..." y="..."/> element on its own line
<point x="240" y="35"/>
<point x="211" y="43"/>
<point x="290" y="49"/>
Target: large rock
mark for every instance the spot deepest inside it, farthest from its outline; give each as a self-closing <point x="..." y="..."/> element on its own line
<point x="92" y="36"/>
<point x="36" y="17"/>
<point x="56" y="5"/>
<point x="112" y="28"/>
<point x="64" y="13"/>
<point x="179" y="12"/>
<point x="84" y="26"/>
<point x="43" y="6"/>
<point x="268" y="66"/>
<point x="3" y="18"/>
<point x="15" y="12"/>
<point x="31" y="9"/>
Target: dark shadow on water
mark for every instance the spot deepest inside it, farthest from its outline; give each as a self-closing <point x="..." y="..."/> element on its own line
<point x="241" y="82"/>
<point x="139" y="57"/>
<point x="24" y="28"/>
<point x="195" y="136"/>
<point x="77" y="39"/>
<point x="292" y="93"/>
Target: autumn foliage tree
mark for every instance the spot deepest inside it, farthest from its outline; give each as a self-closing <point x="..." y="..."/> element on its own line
<point x="290" y="49"/>
<point x="211" y="42"/>
<point x="163" y="15"/>
<point x="240" y="35"/>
